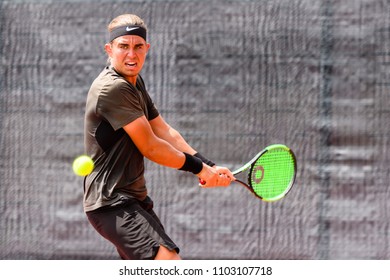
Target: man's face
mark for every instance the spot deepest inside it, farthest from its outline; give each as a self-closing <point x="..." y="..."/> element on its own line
<point x="128" y="54"/>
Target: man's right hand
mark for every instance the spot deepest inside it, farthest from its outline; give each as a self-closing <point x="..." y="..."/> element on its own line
<point x="210" y="177"/>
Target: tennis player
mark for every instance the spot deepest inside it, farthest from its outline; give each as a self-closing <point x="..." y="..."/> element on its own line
<point x="122" y="126"/>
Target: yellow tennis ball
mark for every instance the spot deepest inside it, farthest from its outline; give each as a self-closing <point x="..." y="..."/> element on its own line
<point x="83" y="165"/>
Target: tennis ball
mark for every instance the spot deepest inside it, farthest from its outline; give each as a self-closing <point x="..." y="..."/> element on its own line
<point x="83" y="165"/>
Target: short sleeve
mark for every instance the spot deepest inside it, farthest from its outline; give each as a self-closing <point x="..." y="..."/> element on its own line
<point x="119" y="104"/>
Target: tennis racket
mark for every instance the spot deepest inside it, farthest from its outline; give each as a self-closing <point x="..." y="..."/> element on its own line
<point x="270" y="175"/>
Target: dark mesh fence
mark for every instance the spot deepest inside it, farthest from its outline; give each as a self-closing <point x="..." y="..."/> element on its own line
<point x="232" y="77"/>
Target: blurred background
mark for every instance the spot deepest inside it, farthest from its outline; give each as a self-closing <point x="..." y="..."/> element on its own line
<point x="232" y="77"/>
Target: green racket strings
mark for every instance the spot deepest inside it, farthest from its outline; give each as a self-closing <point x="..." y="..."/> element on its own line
<point x="273" y="173"/>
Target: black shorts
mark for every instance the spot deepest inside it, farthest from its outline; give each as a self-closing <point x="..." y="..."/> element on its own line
<point x="133" y="228"/>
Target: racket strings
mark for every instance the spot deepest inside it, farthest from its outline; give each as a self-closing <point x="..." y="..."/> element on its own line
<point x="272" y="174"/>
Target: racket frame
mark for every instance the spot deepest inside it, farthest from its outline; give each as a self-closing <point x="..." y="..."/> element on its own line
<point x="249" y="164"/>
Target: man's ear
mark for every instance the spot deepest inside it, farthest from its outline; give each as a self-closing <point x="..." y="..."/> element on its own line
<point x="108" y="49"/>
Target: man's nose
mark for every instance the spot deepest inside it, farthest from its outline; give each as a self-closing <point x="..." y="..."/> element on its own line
<point x="131" y="53"/>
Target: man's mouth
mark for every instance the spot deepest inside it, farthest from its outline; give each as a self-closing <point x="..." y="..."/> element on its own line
<point x="131" y="64"/>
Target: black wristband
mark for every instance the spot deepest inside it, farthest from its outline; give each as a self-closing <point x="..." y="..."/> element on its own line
<point x="192" y="164"/>
<point x="205" y="160"/>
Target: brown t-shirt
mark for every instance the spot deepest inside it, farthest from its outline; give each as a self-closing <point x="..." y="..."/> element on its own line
<point x="112" y="103"/>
